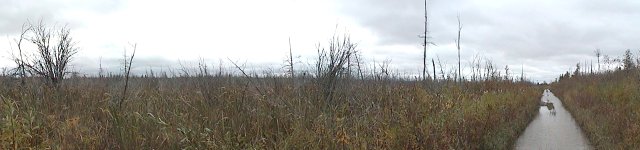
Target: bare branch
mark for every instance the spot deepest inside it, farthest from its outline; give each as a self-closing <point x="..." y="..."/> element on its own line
<point x="246" y="75"/>
<point x="127" y="72"/>
<point x="49" y="60"/>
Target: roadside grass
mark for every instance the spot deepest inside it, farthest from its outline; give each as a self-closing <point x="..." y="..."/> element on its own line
<point x="273" y="112"/>
<point x="606" y="106"/>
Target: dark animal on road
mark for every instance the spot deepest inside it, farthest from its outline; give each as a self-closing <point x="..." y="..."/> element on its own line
<point x="551" y="108"/>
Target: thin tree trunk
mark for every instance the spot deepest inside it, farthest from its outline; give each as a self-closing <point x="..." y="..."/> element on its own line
<point x="291" y="59"/>
<point x="458" y="44"/>
<point x="424" y="42"/>
<point x="434" y="69"/>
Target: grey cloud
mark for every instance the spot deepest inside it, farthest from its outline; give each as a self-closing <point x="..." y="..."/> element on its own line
<point x="14" y="13"/>
<point x="553" y="33"/>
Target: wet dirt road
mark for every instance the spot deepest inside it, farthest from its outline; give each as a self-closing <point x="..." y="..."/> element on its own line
<point x="552" y="131"/>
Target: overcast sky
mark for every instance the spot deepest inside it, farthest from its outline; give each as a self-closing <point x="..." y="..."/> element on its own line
<point x="546" y="37"/>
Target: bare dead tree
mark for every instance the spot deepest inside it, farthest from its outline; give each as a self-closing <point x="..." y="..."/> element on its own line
<point x="591" y="67"/>
<point x="359" y="65"/>
<point x="585" y="65"/>
<point x="128" y="60"/>
<point x="19" y="60"/>
<point x="577" y="71"/>
<point x="606" y="61"/>
<point x="424" y="54"/>
<point x="458" y="45"/>
<point x="627" y="60"/>
<point x="476" y="71"/>
<point x="434" y="69"/>
<point x="220" y="68"/>
<point x="384" y="70"/>
<point x="203" y="69"/>
<point x="425" y="44"/>
<point x="100" y="70"/>
<point x="290" y="61"/>
<point x="598" y="54"/>
<point x="522" y="73"/>
<point x="478" y="67"/>
<point x="54" y="50"/>
<point x="506" y="73"/>
<point x="491" y="71"/>
<point x="184" y="69"/>
<point x="441" y="68"/>
<point x="249" y="78"/>
<point x="331" y="63"/>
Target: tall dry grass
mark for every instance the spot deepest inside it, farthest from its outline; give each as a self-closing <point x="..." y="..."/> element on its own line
<point x="223" y="112"/>
<point x="606" y="105"/>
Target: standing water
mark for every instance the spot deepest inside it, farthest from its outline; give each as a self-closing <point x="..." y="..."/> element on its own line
<point x="552" y="130"/>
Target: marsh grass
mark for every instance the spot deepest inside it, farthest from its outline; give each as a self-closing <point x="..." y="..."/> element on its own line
<point x="273" y="112"/>
<point x="606" y="106"/>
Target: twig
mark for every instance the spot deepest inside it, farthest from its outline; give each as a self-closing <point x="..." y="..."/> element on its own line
<point x="127" y="72"/>
<point x="245" y="75"/>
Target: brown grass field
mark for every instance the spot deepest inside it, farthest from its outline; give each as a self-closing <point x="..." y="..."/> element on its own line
<point x="272" y="112"/>
<point x="606" y="106"/>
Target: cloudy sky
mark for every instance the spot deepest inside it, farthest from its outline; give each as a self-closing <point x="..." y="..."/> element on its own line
<point x="543" y="37"/>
